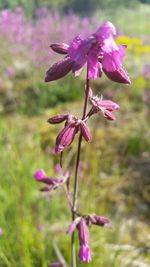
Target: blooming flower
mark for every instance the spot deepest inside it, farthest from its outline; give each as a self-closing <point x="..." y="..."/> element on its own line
<point x="99" y="51"/>
<point x="71" y="128"/>
<point x="51" y="183"/>
<point x="105" y="106"/>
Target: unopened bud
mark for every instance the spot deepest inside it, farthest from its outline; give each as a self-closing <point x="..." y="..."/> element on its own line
<point x="60" y="48"/>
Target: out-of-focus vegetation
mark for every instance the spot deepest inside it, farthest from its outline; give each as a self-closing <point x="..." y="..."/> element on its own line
<point x="80" y="6"/>
<point x="115" y="166"/>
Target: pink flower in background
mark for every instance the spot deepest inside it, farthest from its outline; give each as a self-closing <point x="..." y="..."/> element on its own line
<point x="1" y="231"/>
<point x="146" y="71"/>
<point x="99" y="51"/>
<point x="51" y="182"/>
<point x="10" y="71"/>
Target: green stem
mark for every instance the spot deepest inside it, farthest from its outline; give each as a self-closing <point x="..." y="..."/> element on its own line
<point x="76" y="180"/>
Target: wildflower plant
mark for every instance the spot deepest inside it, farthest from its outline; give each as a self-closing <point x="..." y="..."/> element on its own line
<point x="99" y="54"/>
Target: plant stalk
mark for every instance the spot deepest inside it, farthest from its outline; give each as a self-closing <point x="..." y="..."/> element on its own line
<point x="76" y="180"/>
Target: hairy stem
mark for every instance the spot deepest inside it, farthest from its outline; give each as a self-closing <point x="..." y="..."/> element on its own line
<point x="75" y="193"/>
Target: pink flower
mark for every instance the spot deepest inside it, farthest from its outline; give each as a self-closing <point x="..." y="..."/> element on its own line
<point x="105" y="106"/>
<point x="51" y="183"/>
<point x="84" y="237"/>
<point x="99" y="51"/>
<point x="71" y="128"/>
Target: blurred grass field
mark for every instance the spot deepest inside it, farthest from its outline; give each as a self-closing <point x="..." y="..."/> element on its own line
<point x="115" y="166"/>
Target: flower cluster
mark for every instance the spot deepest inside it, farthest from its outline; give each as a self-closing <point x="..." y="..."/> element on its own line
<point x="99" y="51"/>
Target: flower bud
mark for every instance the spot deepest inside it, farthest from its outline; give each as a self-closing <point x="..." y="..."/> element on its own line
<point x="65" y="137"/>
<point x="60" y="48"/>
<point x="99" y="220"/>
<point x="85" y="131"/>
<point x="57" y="119"/>
<point x="59" y="70"/>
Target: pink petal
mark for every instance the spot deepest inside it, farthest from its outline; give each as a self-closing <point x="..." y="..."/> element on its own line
<point x="105" y="31"/>
<point x="94" y="67"/>
<point x="112" y="66"/>
<point x="79" y="49"/>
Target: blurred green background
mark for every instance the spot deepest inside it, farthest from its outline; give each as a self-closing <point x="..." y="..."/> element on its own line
<point x="115" y="166"/>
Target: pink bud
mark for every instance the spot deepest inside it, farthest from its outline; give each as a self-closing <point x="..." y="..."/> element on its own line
<point x="85" y="131"/>
<point x="61" y="48"/>
<point x="65" y="137"/>
<point x="57" y="119"/>
<point x="100" y="220"/>
<point x="59" y="70"/>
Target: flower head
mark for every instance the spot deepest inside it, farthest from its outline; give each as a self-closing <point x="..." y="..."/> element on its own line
<point x="99" y="51"/>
